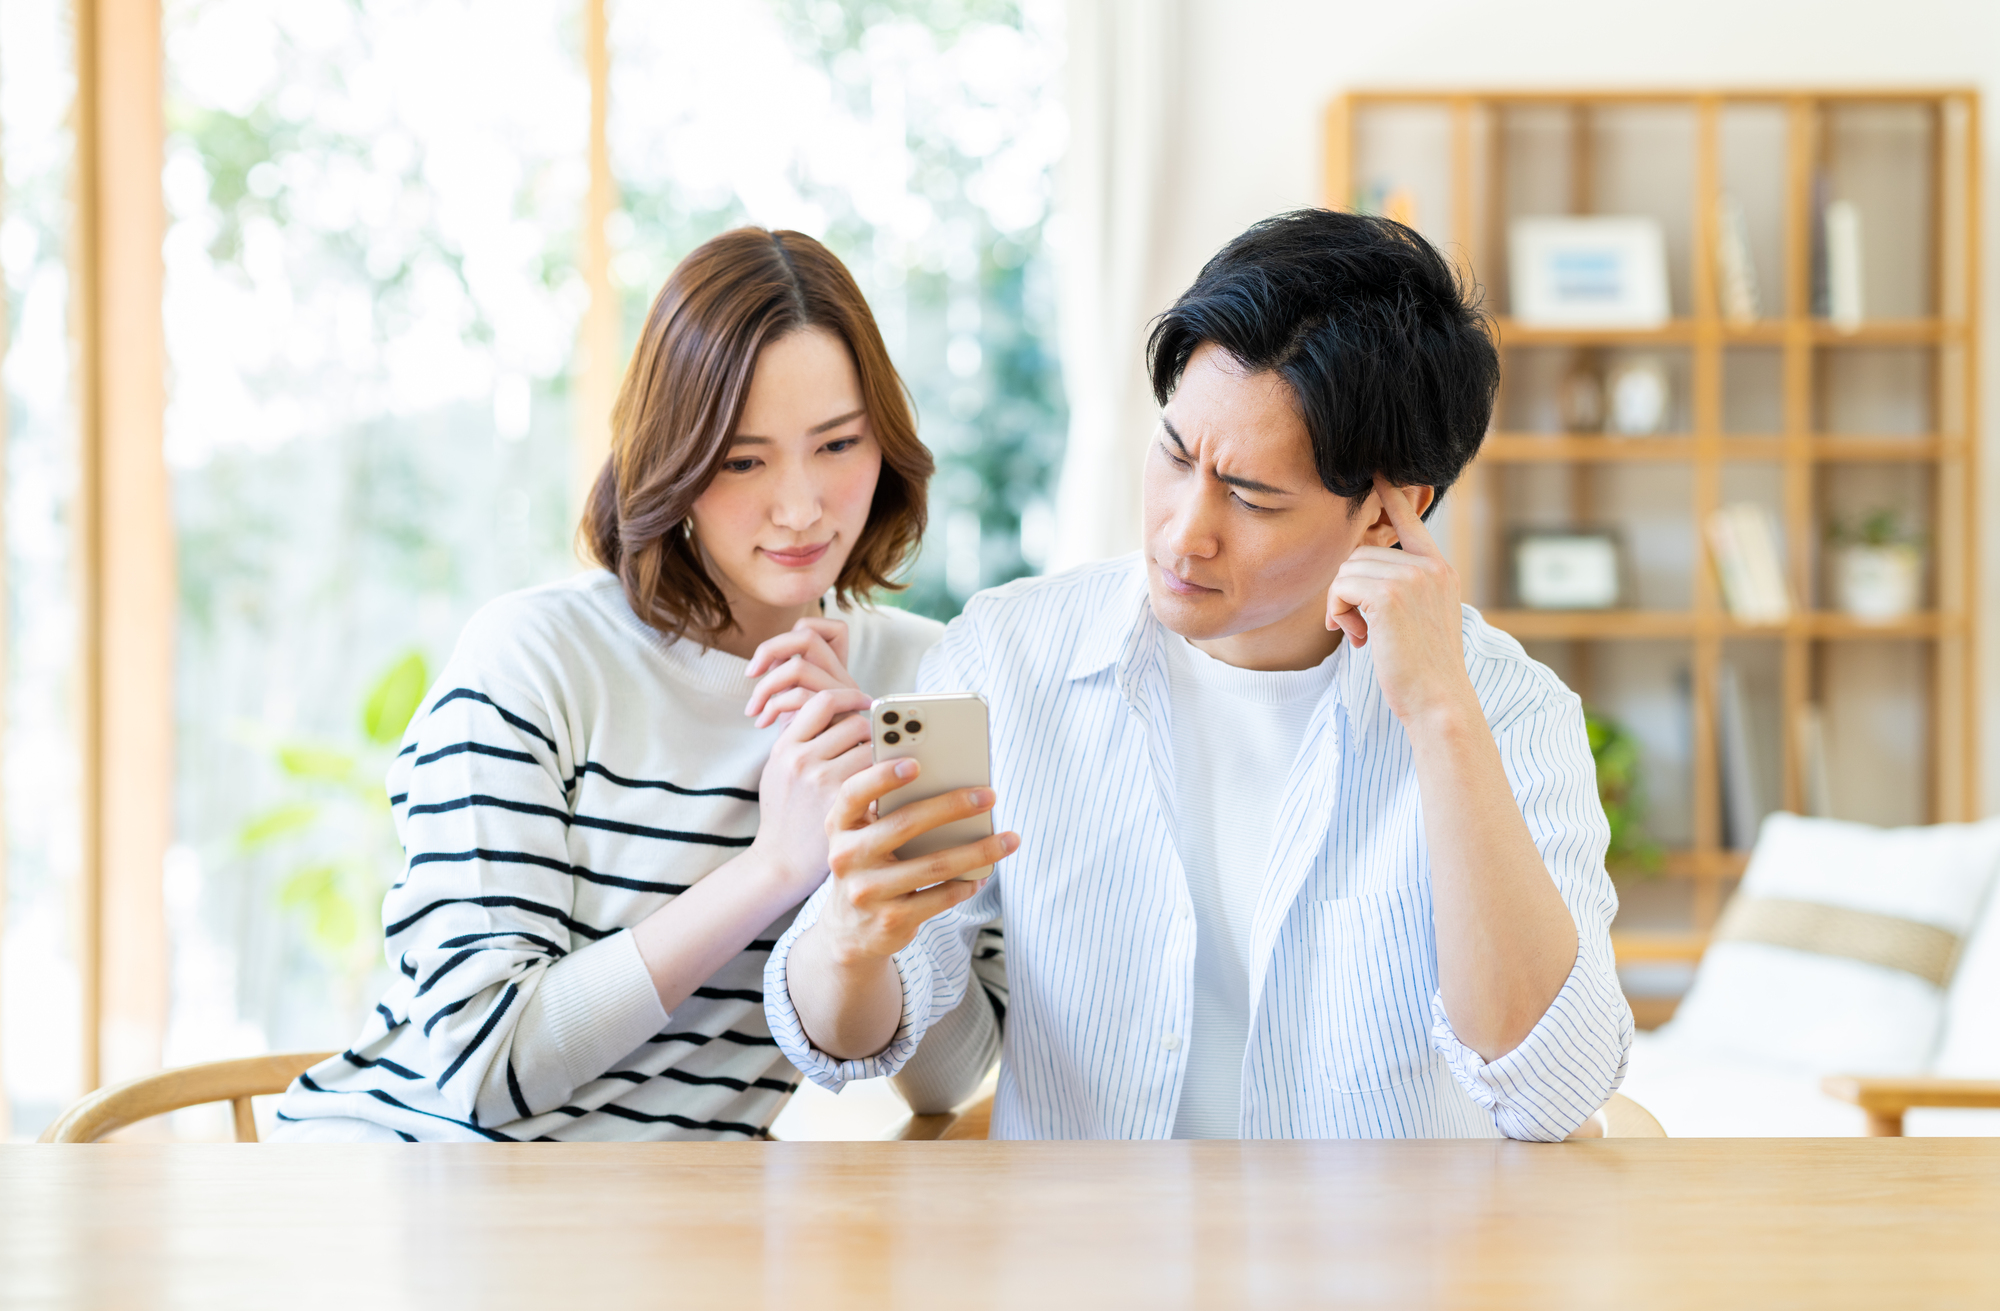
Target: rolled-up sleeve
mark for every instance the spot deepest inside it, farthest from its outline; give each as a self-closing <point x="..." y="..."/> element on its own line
<point x="935" y="969"/>
<point x="1575" y="1057"/>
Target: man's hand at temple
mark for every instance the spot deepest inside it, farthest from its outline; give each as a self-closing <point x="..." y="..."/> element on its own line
<point x="1505" y="941"/>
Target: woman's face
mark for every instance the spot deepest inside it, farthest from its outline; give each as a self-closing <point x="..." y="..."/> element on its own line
<point x="792" y="496"/>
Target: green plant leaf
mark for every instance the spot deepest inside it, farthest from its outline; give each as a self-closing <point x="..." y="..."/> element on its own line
<point x="278" y="822"/>
<point x="306" y="886"/>
<point x="309" y="760"/>
<point x="320" y="894"/>
<point x="394" y="699"/>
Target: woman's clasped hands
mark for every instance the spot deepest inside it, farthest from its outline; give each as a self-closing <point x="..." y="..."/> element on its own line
<point x="803" y="686"/>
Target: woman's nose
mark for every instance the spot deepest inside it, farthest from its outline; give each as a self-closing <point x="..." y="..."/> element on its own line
<point x="797" y="507"/>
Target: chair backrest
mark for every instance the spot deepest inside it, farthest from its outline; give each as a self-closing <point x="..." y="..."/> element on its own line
<point x="1621" y="1117"/>
<point x="110" y="1109"/>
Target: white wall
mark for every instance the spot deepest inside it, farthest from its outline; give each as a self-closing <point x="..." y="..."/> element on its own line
<point x="1260" y="72"/>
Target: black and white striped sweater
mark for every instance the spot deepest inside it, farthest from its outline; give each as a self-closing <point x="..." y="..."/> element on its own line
<point x="571" y="772"/>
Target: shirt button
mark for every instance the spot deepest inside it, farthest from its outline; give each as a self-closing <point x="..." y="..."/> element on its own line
<point x="1170" y="1041"/>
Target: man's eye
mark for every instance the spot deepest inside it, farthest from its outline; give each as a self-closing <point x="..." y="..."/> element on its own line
<point x="1179" y="461"/>
<point x="1260" y="509"/>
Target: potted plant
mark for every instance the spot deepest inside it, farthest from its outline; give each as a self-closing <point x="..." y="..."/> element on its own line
<point x="1616" y="754"/>
<point x="1878" y="570"/>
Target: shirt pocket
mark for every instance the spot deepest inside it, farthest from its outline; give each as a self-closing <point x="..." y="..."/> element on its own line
<point x="1373" y="973"/>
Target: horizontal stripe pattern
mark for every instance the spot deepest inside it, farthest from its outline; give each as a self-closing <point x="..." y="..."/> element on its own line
<point x="1347" y="1037"/>
<point x="571" y="772"/>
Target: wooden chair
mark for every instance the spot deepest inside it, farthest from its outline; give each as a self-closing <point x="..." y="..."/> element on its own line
<point x="968" y="1121"/>
<point x="1883" y="1100"/>
<point x="110" y="1109"/>
<point x="1621" y="1117"/>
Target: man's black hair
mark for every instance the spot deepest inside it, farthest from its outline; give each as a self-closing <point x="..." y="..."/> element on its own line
<point x="1385" y="350"/>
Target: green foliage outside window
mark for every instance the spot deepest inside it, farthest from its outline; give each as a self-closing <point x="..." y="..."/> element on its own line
<point x="331" y="832"/>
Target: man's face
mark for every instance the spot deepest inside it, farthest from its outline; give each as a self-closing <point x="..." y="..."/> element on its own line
<point x="1241" y="535"/>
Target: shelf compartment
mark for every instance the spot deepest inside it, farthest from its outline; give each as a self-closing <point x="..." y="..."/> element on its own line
<point x="1768" y="332"/>
<point x="1653" y="625"/>
<point x="1552" y="448"/>
<point x="1657" y="948"/>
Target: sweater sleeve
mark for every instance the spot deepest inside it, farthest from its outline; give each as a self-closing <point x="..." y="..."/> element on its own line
<point x="481" y="924"/>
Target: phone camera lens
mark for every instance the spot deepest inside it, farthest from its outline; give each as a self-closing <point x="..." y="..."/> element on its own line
<point x="915" y="726"/>
<point x="892" y="737"/>
<point x="890" y="716"/>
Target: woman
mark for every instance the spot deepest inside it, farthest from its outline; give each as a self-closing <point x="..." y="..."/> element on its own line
<point x="614" y="798"/>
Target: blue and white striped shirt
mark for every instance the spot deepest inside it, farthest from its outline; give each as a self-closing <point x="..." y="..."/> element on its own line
<point x="1348" y="1036"/>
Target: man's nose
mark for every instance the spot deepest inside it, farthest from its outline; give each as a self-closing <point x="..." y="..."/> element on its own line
<point x="1189" y="531"/>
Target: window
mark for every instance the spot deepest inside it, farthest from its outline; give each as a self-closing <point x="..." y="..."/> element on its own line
<point x="373" y="298"/>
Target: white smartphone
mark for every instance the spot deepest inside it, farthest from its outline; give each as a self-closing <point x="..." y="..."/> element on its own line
<point x="946" y="734"/>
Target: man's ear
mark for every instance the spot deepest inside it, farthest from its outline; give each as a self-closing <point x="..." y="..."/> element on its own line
<point x="1381" y="530"/>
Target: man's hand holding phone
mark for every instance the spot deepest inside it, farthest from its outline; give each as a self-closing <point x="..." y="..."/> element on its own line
<point x="842" y="981"/>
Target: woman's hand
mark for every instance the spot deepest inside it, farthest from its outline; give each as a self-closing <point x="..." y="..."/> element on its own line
<point x="824" y="745"/>
<point x="879" y="901"/>
<point x="793" y="666"/>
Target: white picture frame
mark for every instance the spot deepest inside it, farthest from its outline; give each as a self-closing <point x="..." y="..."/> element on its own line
<point x="1605" y="271"/>
<point x="1568" y="569"/>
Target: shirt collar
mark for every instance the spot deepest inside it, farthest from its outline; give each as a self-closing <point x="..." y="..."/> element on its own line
<point x="1116" y="637"/>
<point x="1128" y="631"/>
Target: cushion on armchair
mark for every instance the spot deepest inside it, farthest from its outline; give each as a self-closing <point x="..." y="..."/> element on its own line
<point x="1970" y="1048"/>
<point x="1836" y="951"/>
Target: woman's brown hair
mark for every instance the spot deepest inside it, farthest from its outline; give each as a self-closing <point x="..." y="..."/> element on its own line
<point x="683" y="396"/>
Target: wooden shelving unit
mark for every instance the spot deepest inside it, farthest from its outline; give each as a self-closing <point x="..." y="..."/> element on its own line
<point x="1457" y="143"/>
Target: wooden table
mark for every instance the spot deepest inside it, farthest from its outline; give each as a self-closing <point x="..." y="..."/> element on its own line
<point x="1620" y="1223"/>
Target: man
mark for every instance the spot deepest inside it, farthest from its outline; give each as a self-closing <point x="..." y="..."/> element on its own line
<point x="1307" y="849"/>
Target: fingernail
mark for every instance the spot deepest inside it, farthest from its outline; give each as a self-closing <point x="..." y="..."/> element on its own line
<point x="1012" y="842"/>
<point x="906" y="769"/>
<point x="979" y="797"/>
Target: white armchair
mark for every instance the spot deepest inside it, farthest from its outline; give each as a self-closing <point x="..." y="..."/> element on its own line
<point x="1852" y="987"/>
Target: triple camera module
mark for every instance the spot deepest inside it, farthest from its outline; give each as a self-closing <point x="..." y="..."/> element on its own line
<point x="892" y="737"/>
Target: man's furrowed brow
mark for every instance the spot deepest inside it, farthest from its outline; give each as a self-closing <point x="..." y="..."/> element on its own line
<point x="1247" y="484"/>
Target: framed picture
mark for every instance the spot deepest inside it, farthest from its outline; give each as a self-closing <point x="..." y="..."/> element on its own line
<point x="1604" y="272"/>
<point x="1568" y="569"/>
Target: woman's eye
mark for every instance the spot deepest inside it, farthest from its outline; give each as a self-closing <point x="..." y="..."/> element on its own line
<point x="739" y="466"/>
<point x="841" y="444"/>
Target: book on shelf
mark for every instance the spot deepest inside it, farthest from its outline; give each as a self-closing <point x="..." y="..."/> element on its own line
<point x="1736" y="273"/>
<point x="1816" y="774"/>
<point x="1836" y="257"/>
<point x="1822" y="191"/>
<point x="1842" y="221"/>
<point x="1743" y="539"/>
<point x="1742" y="796"/>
